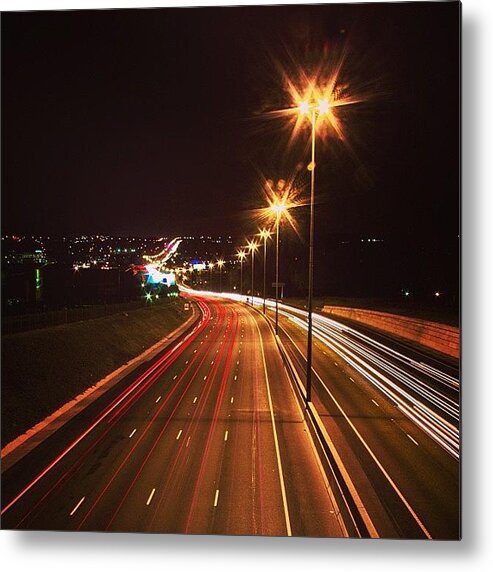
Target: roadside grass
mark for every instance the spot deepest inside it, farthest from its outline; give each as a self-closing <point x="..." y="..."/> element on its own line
<point x="443" y="315"/>
<point x="44" y="369"/>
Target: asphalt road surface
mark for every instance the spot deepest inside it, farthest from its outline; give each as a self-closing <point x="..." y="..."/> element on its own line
<point x="392" y="411"/>
<point x="207" y="438"/>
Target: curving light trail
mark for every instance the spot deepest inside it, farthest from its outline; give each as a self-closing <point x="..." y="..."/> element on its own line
<point x="427" y="395"/>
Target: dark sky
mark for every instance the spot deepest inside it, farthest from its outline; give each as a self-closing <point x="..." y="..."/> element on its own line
<point x="150" y="122"/>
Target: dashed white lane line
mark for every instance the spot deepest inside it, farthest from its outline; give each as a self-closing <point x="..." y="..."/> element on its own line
<point x="236" y="377"/>
<point x="150" y="497"/>
<point x="352" y="380"/>
<point x="375" y="403"/>
<point x="132" y="434"/>
<point x="226" y="436"/>
<point x="77" y="506"/>
<point x="216" y="497"/>
<point x="179" y="434"/>
<point x="212" y="362"/>
<point x="175" y="377"/>
<point x="237" y="363"/>
<point x="194" y="400"/>
<point x="188" y="441"/>
<point x="186" y="362"/>
<point x="336" y="364"/>
<point x="232" y="399"/>
<point x="158" y="399"/>
<point x="413" y="440"/>
<point x="205" y="377"/>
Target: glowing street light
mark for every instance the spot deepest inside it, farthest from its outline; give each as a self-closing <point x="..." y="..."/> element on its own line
<point x="312" y="108"/>
<point x="241" y="254"/>
<point x="220" y="264"/>
<point x="252" y="247"/>
<point x="265" y="234"/>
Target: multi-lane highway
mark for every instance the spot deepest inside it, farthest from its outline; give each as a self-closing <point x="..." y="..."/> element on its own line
<point x="391" y="411"/>
<point x="206" y="438"/>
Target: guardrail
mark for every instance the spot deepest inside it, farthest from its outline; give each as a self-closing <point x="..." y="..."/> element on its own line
<point x="439" y="337"/>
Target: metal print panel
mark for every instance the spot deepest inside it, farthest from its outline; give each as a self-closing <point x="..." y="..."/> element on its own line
<point x="230" y="270"/>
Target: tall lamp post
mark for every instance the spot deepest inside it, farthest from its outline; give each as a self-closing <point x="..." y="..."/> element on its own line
<point x="277" y="208"/>
<point x="241" y="255"/>
<point x="211" y="266"/>
<point x="312" y="109"/>
<point x="252" y="247"/>
<point x="265" y="234"/>
<point x="220" y="263"/>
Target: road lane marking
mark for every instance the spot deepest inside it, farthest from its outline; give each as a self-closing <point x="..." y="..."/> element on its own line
<point x="226" y="436"/>
<point x="175" y="377"/>
<point x="158" y="399"/>
<point x="413" y="440"/>
<point x="77" y="506"/>
<point x="205" y="377"/>
<point x="216" y="497"/>
<point x="188" y="441"/>
<point x="352" y="379"/>
<point x="212" y="362"/>
<point x="375" y="403"/>
<point x="236" y="377"/>
<point x="372" y="454"/>
<point x="179" y="434"/>
<point x="150" y="497"/>
<point x="194" y="400"/>
<point x="232" y="399"/>
<point x="186" y="362"/>
<point x="346" y="477"/>
<point x="132" y="434"/>
<point x="336" y="364"/>
<point x="276" y="442"/>
<point x="237" y="363"/>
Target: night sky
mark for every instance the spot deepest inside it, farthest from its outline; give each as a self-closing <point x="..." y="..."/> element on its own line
<point x="153" y="122"/>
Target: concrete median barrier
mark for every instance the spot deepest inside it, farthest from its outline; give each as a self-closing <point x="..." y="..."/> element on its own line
<point x="439" y="337"/>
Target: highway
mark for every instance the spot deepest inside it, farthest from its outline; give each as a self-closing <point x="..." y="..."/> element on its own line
<point x="392" y="413"/>
<point x="205" y="438"/>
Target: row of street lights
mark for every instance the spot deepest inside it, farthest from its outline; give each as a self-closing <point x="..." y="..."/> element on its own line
<point x="276" y="210"/>
<point x="316" y="105"/>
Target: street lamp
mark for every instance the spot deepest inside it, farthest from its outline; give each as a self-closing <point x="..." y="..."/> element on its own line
<point x="278" y="207"/>
<point x="312" y="109"/>
<point x="265" y="234"/>
<point x="241" y="255"/>
<point x="252" y="247"/>
<point x="220" y="263"/>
